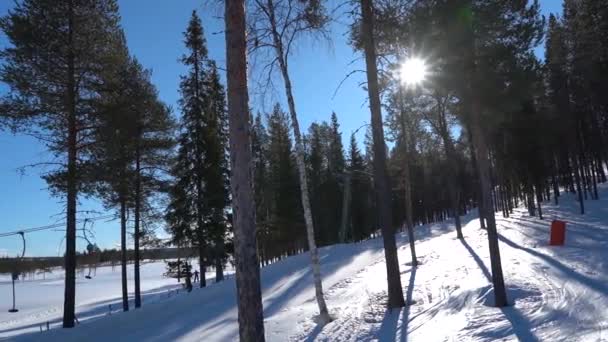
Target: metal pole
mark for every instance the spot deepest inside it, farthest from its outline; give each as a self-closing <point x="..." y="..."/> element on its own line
<point x="13" y="309"/>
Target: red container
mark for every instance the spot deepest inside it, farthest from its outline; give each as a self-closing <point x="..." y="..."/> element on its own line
<point x="558" y="233"/>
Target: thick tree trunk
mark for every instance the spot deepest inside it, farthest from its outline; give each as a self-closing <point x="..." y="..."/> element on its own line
<point x="123" y="253"/>
<point x="136" y="233"/>
<point x="249" y="294"/>
<point x="69" y="299"/>
<point x="299" y="147"/>
<point x="483" y="166"/>
<point x="395" y="291"/>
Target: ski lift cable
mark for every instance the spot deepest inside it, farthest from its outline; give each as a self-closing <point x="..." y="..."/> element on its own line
<point x="57" y="225"/>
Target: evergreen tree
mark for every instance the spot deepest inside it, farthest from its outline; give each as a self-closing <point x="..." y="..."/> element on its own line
<point x="134" y="137"/>
<point x="201" y="164"/>
<point x="286" y="219"/>
<point x="381" y="182"/>
<point x="55" y="54"/>
<point x="361" y="212"/>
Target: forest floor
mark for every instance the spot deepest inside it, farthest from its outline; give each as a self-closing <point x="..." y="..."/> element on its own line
<point x="556" y="293"/>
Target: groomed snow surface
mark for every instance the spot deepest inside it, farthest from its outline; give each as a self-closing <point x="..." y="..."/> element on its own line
<point x="557" y="293"/>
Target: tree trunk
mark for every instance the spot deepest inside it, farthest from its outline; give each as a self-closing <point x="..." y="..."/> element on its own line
<point x="539" y="199"/>
<point x="136" y="232"/>
<point x="123" y="253"/>
<point x="69" y="299"/>
<point x="577" y="178"/>
<point x="555" y="189"/>
<point x="395" y="291"/>
<point x="407" y="185"/>
<point x="219" y="267"/>
<point x="478" y="191"/>
<point x="299" y="147"/>
<point x="483" y="167"/>
<point x="450" y="154"/>
<point x="249" y="294"/>
<point x="345" y="207"/>
<point x="201" y="261"/>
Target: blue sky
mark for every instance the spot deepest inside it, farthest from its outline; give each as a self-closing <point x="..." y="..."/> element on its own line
<point x="154" y="33"/>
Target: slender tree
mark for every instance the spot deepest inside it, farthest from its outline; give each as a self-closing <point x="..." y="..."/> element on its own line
<point x="277" y="25"/>
<point x="381" y="182"/>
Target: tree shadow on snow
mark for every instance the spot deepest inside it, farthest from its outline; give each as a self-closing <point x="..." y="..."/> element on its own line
<point x="521" y="326"/>
<point x="390" y="324"/>
<point x="567" y="271"/>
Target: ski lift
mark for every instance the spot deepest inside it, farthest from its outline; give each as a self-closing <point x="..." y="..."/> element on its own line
<point x="15" y="273"/>
<point x="91" y="247"/>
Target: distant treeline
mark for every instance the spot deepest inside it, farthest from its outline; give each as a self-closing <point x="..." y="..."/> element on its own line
<point x="31" y="265"/>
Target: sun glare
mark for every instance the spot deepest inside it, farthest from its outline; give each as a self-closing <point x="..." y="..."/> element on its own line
<point x="413" y="71"/>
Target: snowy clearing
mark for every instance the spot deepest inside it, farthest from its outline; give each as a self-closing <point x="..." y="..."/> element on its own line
<point x="557" y="293"/>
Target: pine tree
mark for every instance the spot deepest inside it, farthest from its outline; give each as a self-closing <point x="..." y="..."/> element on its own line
<point x="201" y="163"/>
<point x="286" y="219"/>
<point x="56" y="52"/>
<point x="361" y="212"/>
<point x="249" y="294"/>
<point x="262" y="194"/>
<point x="115" y="150"/>
<point x="153" y="145"/>
<point x="216" y="169"/>
<point x="382" y="188"/>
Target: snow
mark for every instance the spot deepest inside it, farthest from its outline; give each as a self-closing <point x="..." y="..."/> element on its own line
<point x="557" y="293"/>
<point x="41" y="300"/>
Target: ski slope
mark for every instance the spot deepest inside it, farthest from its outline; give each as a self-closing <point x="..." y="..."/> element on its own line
<point x="41" y="300"/>
<point x="557" y="293"/>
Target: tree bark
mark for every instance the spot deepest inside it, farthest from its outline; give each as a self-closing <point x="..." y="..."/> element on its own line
<point x="137" y="217"/>
<point x="450" y="154"/>
<point x="219" y="267"/>
<point x="539" y="199"/>
<point x="346" y="197"/>
<point x="407" y="185"/>
<point x="69" y="298"/>
<point x="249" y="295"/>
<point x="299" y="147"/>
<point x="483" y="166"/>
<point x="577" y="178"/>
<point x="395" y="291"/>
<point x="478" y="191"/>
<point x="201" y="261"/>
<point x="123" y="253"/>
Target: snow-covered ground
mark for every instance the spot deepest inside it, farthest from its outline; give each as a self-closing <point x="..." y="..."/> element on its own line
<point x="557" y="293"/>
<point x="40" y="301"/>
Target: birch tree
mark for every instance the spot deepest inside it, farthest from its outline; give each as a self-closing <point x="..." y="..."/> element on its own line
<point x="276" y="25"/>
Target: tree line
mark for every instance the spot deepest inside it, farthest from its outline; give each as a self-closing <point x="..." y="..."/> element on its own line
<point x="491" y="126"/>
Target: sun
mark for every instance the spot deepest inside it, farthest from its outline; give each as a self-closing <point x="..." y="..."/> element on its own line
<point x="413" y="71"/>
